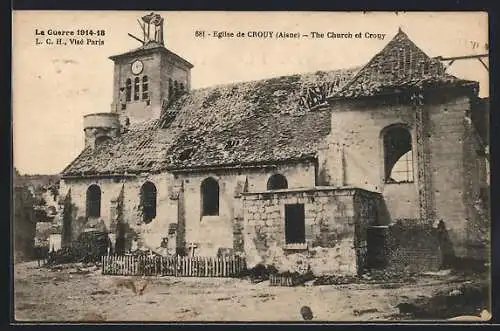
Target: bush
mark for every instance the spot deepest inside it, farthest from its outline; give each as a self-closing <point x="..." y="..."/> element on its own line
<point x="89" y="247"/>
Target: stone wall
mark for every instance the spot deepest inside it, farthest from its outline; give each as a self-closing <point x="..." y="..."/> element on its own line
<point x="151" y="234"/>
<point x="356" y="133"/>
<point x="334" y="223"/>
<point x="355" y="158"/>
<point x="178" y="205"/>
<point x="455" y="170"/>
<point x="159" y="68"/>
<point x="210" y="233"/>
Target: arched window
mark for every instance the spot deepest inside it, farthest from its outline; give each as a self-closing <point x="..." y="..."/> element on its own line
<point x="277" y="182"/>
<point x="93" y="201"/>
<point x="128" y="89"/>
<point x="102" y="140"/>
<point x="210" y="197"/>
<point x="398" y="155"/>
<point x="176" y="88"/>
<point x="148" y="201"/>
<point x="182" y="87"/>
<point x="145" y="92"/>
<point x="170" y="89"/>
<point x="136" y="88"/>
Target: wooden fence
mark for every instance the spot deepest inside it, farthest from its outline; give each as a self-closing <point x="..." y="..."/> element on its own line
<point x="179" y="266"/>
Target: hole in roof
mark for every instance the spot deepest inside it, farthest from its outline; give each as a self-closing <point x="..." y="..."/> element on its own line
<point x="186" y="154"/>
<point x="232" y="143"/>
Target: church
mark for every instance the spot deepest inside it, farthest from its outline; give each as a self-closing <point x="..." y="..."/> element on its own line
<point x="300" y="164"/>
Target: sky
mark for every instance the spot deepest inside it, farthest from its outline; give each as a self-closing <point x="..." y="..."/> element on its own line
<point x="54" y="86"/>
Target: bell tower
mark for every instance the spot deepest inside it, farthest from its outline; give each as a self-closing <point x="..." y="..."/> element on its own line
<point x="147" y="78"/>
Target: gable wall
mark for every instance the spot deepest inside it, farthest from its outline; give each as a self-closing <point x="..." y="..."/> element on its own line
<point x="356" y="128"/>
<point x="452" y="166"/>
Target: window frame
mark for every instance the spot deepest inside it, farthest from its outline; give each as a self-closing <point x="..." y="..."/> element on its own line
<point x="137" y="88"/>
<point x="272" y="180"/>
<point x="410" y="171"/>
<point x="290" y="215"/>
<point x="210" y="183"/>
<point x="128" y="90"/>
<point x="145" y="87"/>
<point x="90" y="202"/>
<point x="149" y="214"/>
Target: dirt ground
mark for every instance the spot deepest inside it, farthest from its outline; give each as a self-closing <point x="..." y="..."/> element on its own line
<point x="41" y="294"/>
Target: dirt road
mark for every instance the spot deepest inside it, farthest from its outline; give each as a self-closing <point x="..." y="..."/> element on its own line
<point x="44" y="295"/>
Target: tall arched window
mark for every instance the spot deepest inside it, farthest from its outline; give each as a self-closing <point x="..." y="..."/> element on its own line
<point x="170" y="89"/>
<point x="136" y="88"/>
<point x="128" y="89"/>
<point x="145" y="87"/>
<point x="398" y="155"/>
<point x="210" y="197"/>
<point x="277" y="182"/>
<point x="148" y="201"/>
<point x="176" y="88"/>
<point x="182" y="87"/>
<point x="93" y="201"/>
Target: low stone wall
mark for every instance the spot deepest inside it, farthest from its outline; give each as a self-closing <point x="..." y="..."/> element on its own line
<point x="331" y="226"/>
<point x="414" y="247"/>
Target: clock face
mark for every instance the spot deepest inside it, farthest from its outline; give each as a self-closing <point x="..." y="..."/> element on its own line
<point x="137" y="67"/>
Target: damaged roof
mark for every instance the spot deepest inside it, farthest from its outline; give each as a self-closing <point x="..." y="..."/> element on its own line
<point x="236" y="124"/>
<point x="400" y="65"/>
<point x="259" y="122"/>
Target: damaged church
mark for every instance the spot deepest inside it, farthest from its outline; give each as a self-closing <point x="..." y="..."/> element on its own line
<point x="330" y="161"/>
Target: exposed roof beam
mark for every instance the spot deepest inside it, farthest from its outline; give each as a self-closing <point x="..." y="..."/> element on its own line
<point x="475" y="56"/>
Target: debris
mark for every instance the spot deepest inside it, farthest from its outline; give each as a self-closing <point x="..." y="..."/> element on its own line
<point x="455" y="292"/>
<point x="364" y="311"/>
<point x="100" y="292"/>
<point x="306" y="313"/>
<point x="465" y="300"/>
<point x="439" y="273"/>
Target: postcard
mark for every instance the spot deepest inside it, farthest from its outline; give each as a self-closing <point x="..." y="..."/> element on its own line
<point x="218" y="166"/>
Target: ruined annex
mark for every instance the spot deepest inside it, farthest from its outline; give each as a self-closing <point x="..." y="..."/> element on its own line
<point x="381" y="165"/>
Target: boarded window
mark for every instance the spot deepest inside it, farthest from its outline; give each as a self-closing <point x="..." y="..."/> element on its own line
<point x="137" y="87"/>
<point x="148" y="202"/>
<point x="145" y="88"/>
<point x="93" y="201"/>
<point x="210" y="197"/>
<point x="398" y="156"/>
<point x="295" y="228"/>
<point x="277" y="182"/>
<point x="128" y="90"/>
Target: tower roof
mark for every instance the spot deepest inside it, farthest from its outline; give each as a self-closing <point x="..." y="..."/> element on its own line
<point x="399" y="65"/>
<point x="148" y="48"/>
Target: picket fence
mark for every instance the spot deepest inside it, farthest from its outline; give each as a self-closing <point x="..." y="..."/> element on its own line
<point x="178" y="266"/>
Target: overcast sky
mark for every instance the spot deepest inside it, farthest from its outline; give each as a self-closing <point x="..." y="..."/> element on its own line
<point x="54" y="86"/>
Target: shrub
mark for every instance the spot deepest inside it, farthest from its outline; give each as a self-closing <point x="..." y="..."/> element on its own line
<point x="89" y="247"/>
